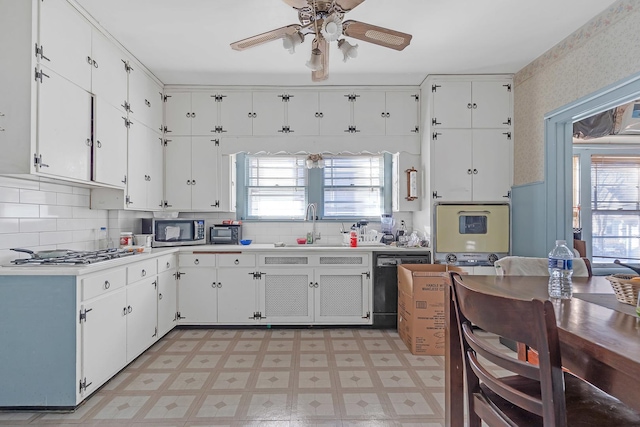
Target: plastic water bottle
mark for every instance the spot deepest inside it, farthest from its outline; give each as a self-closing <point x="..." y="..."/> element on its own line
<point x="560" y="271"/>
<point x="103" y="242"/>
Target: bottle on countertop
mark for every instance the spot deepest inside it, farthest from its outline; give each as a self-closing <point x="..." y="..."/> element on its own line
<point x="560" y="271"/>
<point x="103" y="242"/>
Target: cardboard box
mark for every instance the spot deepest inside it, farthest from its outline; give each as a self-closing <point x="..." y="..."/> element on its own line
<point x="421" y="306"/>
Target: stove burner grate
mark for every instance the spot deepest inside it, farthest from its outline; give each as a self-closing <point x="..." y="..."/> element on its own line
<point x="76" y="258"/>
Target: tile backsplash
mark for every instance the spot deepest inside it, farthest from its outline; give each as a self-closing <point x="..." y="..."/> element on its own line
<point x="41" y="216"/>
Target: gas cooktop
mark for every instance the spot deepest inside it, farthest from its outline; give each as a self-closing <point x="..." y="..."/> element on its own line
<point x="75" y="258"/>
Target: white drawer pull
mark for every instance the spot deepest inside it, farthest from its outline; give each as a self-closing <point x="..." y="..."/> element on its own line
<point x="197" y="261"/>
<point x="107" y="285"/>
<point x="144" y="273"/>
<point x="236" y="262"/>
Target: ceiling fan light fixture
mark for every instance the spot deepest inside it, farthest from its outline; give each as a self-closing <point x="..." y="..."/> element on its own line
<point x="348" y="50"/>
<point x="290" y="41"/>
<point x="315" y="63"/>
<point x="331" y="28"/>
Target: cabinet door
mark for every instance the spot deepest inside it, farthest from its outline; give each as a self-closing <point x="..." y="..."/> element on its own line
<point x="342" y="296"/>
<point x="167" y="302"/>
<point x="145" y="99"/>
<point x="234" y="113"/>
<point x="104" y="338"/>
<point x="270" y="113"/>
<point x="155" y="182"/>
<point x="336" y="111"/>
<point x="109" y="77"/>
<point x="177" y="111"/>
<point x="110" y="145"/>
<point x="491" y="104"/>
<point x="197" y="295"/>
<point x="142" y="316"/>
<point x="237" y="300"/>
<point x="303" y="113"/>
<point x="66" y="40"/>
<point x="286" y="296"/>
<point x="205" y="181"/>
<point x="64" y="128"/>
<point x="403" y="110"/>
<point x="369" y="113"/>
<point x="204" y="112"/>
<point x="492" y="165"/>
<point x="178" y="173"/>
<point x="137" y="166"/>
<point x="452" y="104"/>
<point x="452" y="165"/>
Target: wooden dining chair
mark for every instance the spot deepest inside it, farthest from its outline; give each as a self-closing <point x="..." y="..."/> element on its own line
<point x="533" y="395"/>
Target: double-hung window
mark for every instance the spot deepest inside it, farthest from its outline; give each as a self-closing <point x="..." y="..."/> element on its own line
<point x="279" y="187"/>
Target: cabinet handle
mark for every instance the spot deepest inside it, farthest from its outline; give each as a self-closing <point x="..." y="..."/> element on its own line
<point x="107" y="285"/>
<point x="89" y="60"/>
<point x="144" y="273"/>
<point x="475" y="105"/>
<point x="475" y="171"/>
<point x="315" y="285"/>
<point x="219" y="284"/>
<point x="469" y="105"/>
<point x="236" y="262"/>
<point x="95" y="64"/>
<point x="99" y="144"/>
<point x="382" y="115"/>
<point x="168" y="265"/>
<point x="129" y="309"/>
<point x="196" y="261"/>
<point x="468" y="171"/>
<point x="124" y="311"/>
<point x="249" y="115"/>
<point x="159" y="296"/>
<point x="189" y="115"/>
<point x="188" y="182"/>
<point x="193" y="115"/>
<point x="213" y="285"/>
<point x="88" y="142"/>
<point x="193" y="182"/>
<point x="311" y="284"/>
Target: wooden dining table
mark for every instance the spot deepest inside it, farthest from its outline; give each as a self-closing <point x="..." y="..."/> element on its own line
<point x="598" y="344"/>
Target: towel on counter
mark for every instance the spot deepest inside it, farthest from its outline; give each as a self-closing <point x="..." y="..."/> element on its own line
<point x="172" y="232"/>
<point x="528" y="266"/>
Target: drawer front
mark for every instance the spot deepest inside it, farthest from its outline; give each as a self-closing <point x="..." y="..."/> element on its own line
<point x="197" y="260"/>
<point x="99" y="284"/>
<point x="237" y="260"/>
<point x="284" y="259"/>
<point x="141" y="270"/>
<point x="352" y="260"/>
<point x="167" y="262"/>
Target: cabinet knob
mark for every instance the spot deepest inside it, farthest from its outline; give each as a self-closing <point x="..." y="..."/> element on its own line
<point x="469" y="105"/>
<point x="188" y="182"/>
<point x="107" y="285"/>
<point x="159" y="296"/>
<point x="99" y="144"/>
<point x="129" y="309"/>
<point x="89" y="60"/>
<point x="144" y="273"/>
<point x="168" y="264"/>
<point x="213" y="285"/>
<point x="193" y="182"/>
<point x="189" y="115"/>
<point x="196" y="261"/>
<point x="311" y="284"/>
<point x="475" y="171"/>
<point x="468" y="171"/>
<point x="475" y="105"/>
<point x="236" y="262"/>
<point x="219" y="284"/>
<point x="193" y="115"/>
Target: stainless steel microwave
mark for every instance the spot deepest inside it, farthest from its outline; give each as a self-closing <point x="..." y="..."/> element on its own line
<point x="225" y="234"/>
<point x="174" y="231"/>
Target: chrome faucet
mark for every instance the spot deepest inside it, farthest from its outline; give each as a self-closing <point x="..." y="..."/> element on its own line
<point x="312" y="207"/>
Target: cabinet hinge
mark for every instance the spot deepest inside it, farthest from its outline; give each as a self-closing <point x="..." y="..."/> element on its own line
<point x="155" y="333"/>
<point x="285" y="97"/>
<point x="216" y="142"/>
<point x="179" y="316"/>
<point x="508" y="196"/>
<point x="165" y="97"/>
<point x="164" y="129"/>
<point x="124" y="181"/>
<point x="508" y="86"/>
<point x="434" y="135"/>
<point x="39" y="75"/>
<point x="83" y="385"/>
<point x="285" y="129"/>
<point x="352" y="129"/>
<point x="434" y="88"/>
<point x="368" y="274"/>
<point x="435" y="122"/>
<point x="127" y="67"/>
<point x="83" y="314"/>
<point x="368" y="315"/>
<point x="37" y="161"/>
<point x="416" y="129"/>
<point x="126" y="106"/>
<point x="508" y="134"/>
<point x="40" y="51"/>
<point x="127" y="200"/>
<point x="435" y="195"/>
<point x="216" y="204"/>
<point x="165" y="142"/>
<point x="416" y="97"/>
<point x="257" y="315"/>
<point x="256" y="275"/>
<point x="508" y="122"/>
<point x="352" y="97"/>
<point x="218" y="129"/>
<point x="218" y="97"/>
<point x="127" y="122"/>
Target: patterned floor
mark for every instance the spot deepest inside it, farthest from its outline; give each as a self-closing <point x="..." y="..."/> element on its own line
<point x="266" y="377"/>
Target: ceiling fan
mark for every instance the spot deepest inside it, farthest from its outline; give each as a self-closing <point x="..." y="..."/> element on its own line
<point x="325" y="20"/>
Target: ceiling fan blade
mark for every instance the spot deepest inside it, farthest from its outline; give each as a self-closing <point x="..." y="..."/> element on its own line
<point x="376" y="35"/>
<point x="321" y="43"/>
<point x="265" y="37"/>
<point x="347" y="5"/>
<point x="296" y="4"/>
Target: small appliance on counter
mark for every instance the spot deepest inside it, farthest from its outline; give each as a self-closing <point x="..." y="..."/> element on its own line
<point x="386" y="227"/>
<point x="174" y="231"/>
<point x="225" y="234"/>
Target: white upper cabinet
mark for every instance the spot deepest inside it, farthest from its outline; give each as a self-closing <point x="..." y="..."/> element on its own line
<point x="64" y="128"/>
<point x="369" y="112"/>
<point x="110" y="144"/>
<point x="144" y="169"/>
<point x="190" y="113"/>
<point x="402" y="113"/>
<point x="335" y="110"/>
<point x="477" y="104"/>
<point x="145" y="99"/>
<point x="109" y="76"/>
<point x="285" y="112"/>
<point x="234" y="115"/>
<point x="65" y="42"/>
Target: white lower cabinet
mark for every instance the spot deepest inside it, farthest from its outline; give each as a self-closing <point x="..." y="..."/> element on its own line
<point x="142" y="316"/>
<point x="342" y="296"/>
<point x="167" y="301"/>
<point x="237" y="296"/>
<point x="197" y="295"/>
<point x="286" y="295"/>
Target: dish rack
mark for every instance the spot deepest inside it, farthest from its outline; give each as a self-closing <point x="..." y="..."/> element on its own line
<point x="626" y="289"/>
<point x="370" y="239"/>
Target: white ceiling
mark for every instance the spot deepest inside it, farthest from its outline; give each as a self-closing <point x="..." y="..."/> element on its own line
<point x="187" y="41"/>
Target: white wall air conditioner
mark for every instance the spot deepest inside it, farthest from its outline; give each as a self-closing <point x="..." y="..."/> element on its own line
<point x="630" y="122"/>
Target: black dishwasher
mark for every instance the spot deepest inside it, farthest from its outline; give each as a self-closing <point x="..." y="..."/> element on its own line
<point x="385" y="284"/>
